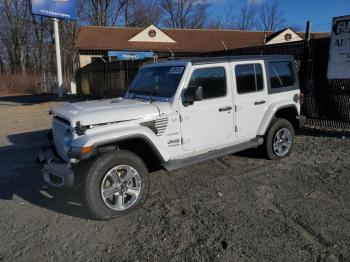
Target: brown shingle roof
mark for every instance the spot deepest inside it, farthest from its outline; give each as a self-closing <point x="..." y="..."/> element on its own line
<point x="187" y="40"/>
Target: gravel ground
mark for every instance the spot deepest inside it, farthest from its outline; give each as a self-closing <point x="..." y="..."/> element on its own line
<point x="236" y="208"/>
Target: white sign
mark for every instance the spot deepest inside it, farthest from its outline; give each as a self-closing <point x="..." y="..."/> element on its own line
<point x="339" y="52"/>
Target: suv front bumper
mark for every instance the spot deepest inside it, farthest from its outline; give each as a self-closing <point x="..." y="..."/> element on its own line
<point x="56" y="172"/>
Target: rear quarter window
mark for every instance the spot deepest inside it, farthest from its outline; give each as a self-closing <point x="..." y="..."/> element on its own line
<point x="281" y="74"/>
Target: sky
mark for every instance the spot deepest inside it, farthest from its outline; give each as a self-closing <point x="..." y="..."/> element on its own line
<point x="296" y="12"/>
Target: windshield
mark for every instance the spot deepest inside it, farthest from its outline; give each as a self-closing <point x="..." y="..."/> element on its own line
<point x="161" y="81"/>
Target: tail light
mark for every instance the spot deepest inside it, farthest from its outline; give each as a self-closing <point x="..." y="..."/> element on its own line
<point x="301" y="98"/>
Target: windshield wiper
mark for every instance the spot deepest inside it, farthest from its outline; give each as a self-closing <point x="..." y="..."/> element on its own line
<point x="150" y="94"/>
<point x="143" y="92"/>
<point x="134" y="92"/>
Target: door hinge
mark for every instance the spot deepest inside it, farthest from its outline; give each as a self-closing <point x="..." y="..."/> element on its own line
<point x="236" y="109"/>
<point x="236" y="129"/>
<point x="182" y="141"/>
<point x="181" y="118"/>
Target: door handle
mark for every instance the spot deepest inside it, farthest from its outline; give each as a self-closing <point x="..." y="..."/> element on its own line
<point x="227" y="108"/>
<point x="260" y="102"/>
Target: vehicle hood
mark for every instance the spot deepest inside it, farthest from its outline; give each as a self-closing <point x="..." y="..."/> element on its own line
<point x="106" y="111"/>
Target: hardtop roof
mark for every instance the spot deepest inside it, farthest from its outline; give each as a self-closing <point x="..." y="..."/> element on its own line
<point x="220" y="59"/>
<point x="210" y="60"/>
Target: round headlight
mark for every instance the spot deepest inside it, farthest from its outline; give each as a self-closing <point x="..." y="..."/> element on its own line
<point x="67" y="138"/>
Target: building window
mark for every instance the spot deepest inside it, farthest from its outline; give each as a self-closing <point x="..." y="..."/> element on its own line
<point x="152" y="33"/>
<point x="288" y="37"/>
<point x="249" y="78"/>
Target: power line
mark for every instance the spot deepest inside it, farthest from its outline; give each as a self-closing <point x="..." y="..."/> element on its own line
<point x="320" y="25"/>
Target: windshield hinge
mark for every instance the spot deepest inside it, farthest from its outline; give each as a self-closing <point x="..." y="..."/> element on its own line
<point x="80" y="129"/>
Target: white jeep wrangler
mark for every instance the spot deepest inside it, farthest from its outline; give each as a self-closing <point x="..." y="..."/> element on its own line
<point x="173" y="115"/>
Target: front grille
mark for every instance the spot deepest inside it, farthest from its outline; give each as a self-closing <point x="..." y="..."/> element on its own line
<point x="58" y="130"/>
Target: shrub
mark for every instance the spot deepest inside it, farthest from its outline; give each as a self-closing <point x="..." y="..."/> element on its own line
<point x="18" y="84"/>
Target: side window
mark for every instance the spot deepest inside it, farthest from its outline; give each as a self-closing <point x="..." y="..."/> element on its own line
<point x="249" y="78"/>
<point x="212" y="80"/>
<point x="281" y="74"/>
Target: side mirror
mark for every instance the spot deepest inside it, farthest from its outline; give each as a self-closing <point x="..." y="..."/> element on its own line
<point x="194" y="93"/>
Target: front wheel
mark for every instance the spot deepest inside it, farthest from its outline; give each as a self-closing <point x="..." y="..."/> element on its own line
<point x="116" y="184"/>
<point x="279" y="139"/>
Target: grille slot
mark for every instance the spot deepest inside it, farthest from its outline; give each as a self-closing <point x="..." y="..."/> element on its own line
<point x="58" y="130"/>
<point x="157" y="126"/>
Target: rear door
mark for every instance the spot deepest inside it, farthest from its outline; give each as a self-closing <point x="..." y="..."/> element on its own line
<point x="209" y="122"/>
<point x="251" y="98"/>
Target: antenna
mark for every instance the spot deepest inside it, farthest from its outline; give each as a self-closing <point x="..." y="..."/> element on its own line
<point x="155" y="58"/>
<point x="223" y="43"/>
<point x="172" y="54"/>
<point x="104" y="60"/>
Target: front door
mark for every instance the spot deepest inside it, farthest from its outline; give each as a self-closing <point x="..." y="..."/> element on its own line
<point x="208" y="122"/>
<point x="251" y="97"/>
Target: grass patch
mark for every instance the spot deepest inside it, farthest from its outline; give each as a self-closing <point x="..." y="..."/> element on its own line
<point x="18" y="84"/>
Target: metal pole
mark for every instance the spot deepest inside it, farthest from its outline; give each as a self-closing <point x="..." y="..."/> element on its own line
<point x="308" y="31"/>
<point x="58" y="58"/>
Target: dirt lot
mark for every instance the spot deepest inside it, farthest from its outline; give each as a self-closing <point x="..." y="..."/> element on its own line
<point x="236" y="208"/>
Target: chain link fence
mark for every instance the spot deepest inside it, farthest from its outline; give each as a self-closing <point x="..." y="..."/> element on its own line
<point x="106" y="79"/>
<point x="327" y="102"/>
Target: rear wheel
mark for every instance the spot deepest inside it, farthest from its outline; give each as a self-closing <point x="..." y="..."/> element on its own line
<point x="116" y="184"/>
<point x="279" y="139"/>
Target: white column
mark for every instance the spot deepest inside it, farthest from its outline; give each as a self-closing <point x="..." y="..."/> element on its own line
<point x="58" y="59"/>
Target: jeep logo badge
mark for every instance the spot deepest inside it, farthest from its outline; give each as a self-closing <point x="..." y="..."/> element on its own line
<point x="173" y="141"/>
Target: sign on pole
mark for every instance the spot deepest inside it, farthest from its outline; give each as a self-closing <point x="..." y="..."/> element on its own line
<point x="58" y="59"/>
<point x="62" y="9"/>
<point x="57" y="9"/>
<point x="339" y="51"/>
<point x="130" y="55"/>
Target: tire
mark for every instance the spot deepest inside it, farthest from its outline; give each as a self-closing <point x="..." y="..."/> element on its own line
<point x="101" y="179"/>
<point x="279" y="127"/>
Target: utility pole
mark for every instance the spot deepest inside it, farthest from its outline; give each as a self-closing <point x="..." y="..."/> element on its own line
<point x="307" y="83"/>
<point x="308" y="31"/>
<point x="126" y="14"/>
<point x="58" y="58"/>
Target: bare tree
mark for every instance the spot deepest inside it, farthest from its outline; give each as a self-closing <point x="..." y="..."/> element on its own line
<point x="144" y="13"/>
<point x="271" y="17"/>
<point x="14" y="35"/>
<point x="97" y="12"/>
<point x="184" y="13"/>
<point x="246" y="19"/>
<point x="120" y="12"/>
<point x="27" y="44"/>
<point x="223" y="21"/>
<point x="215" y="23"/>
<point x="296" y="28"/>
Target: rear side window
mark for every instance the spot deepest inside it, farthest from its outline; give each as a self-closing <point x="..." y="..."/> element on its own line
<point x="212" y="80"/>
<point x="281" y="74"/>
<point x="249" y="78"/>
